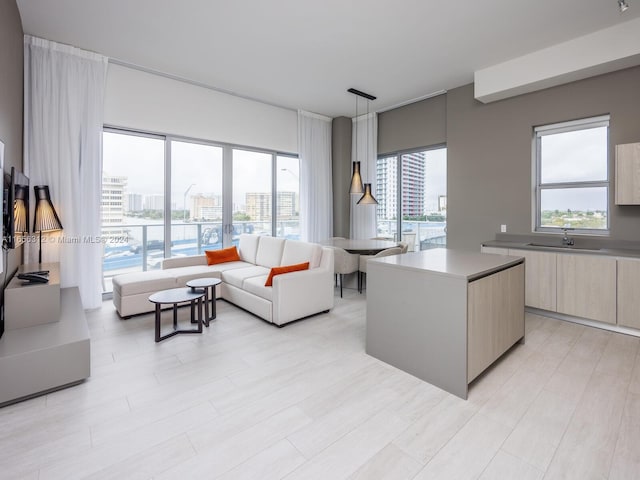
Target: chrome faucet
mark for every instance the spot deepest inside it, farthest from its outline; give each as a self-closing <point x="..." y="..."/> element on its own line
<point x="566" y="240"/>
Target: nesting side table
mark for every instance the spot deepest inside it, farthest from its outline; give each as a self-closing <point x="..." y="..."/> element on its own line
<point x="176" y="296"/>
<point x="205" y="284"/>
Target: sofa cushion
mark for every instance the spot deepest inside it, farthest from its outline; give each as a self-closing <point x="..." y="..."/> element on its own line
<point x="299" y="252"/>
<point x="184" y="261"/>
<point x="255" y="285"/>
<point x="237" y="276"/>
<point x="224" y="255"/>
<point x="248" y="247"/>
<point x="184" y="274"/>
<point x="285" y="269"/>
<point x="143" y="282"/>
<point x="270" y="251"/>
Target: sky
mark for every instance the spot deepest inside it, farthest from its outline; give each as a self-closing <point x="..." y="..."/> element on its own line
<point x="573" y="157"/>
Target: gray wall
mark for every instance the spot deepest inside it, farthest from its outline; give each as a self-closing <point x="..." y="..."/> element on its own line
<point x="341" y="171"/>
<point x="489" y="153"/>
<point x="420" y="124"/>
<point x="11" y="74"/>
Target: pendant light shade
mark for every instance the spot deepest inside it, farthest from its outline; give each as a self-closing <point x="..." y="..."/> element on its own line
<point x="356" y="180"/>
<point x="367" y="198"/>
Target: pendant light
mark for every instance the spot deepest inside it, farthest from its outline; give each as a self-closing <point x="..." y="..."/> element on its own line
<point x="356" y="179"/>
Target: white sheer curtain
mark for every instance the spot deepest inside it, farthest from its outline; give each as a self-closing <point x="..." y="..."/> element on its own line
<point x="316" y="193"/>
<point x="365" y="133"/>
<point x="63" y="116"/>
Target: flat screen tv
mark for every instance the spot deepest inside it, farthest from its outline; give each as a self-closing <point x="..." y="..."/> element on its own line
<point x="15" y="208"/>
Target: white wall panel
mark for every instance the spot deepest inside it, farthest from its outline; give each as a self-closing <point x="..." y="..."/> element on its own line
<point x="600" y="52"/>
<point x="144" y="101"/>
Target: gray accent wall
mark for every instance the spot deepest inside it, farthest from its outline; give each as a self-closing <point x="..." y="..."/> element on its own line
<point x="489" y="149"/>
<point x="341" y="165"/>
<point x="489" y="179"/>
<point x="11" y="97"/>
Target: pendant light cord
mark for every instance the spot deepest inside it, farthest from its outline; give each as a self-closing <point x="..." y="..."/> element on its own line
<point x="356" y="130"/>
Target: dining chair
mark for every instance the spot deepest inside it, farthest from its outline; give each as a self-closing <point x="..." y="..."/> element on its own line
<point x="365" y="258"/>
<point x="410" y="239"/>
<point x="344" y="263"/>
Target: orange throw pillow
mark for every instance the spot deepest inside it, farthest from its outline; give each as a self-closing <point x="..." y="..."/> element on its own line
<point x="286" y="269"/>
<point x="222" y="256"/>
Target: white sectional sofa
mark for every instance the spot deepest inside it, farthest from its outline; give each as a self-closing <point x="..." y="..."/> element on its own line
<point x="293" y="295"/>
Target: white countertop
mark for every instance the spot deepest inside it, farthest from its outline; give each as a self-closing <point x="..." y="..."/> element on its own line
<point x="454" y="263"/>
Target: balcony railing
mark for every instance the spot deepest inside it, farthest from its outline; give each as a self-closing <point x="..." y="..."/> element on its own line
<point x="141" y="247"/>
<point x="427" y="234"/>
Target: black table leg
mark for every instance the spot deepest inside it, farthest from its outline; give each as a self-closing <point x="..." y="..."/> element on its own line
<point x="175" y="316"/>
<point x="206" y="306"/>
<point x="213" y="302"/>
<point x="193" y="306"/>
<point x="158" y="312"/>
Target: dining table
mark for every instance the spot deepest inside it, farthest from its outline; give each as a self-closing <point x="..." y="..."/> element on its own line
<point x="360" y="246"/>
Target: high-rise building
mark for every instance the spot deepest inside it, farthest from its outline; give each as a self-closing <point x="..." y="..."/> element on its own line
<point x="413" y="185"/>
<point x="287" y="208"/>
<point x="259" y="205"/>
<point x="112" y="207"/>
<point x="413" y="177"/>
<point x="205" y="207"/>
<point x="133" y="202"/>
<point x="154" y="202"/>
<point x="386" y="188"/>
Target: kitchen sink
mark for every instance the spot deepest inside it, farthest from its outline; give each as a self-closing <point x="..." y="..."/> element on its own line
<point x="568" y="247"/>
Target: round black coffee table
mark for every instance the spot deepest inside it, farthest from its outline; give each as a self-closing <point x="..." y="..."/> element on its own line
<point x="205" y="284"/>
<point x="176" y="296"/>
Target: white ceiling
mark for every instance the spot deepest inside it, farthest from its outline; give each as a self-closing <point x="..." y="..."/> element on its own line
<point x="303" y="54"/>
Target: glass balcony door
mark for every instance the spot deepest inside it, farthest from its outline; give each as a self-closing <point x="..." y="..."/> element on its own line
<point x="411" y="189"/>
<point x="196" y="198"/>
<point x="252" y="194"/>
<point x="133" y="201"/>
<point x="424" y="199"/>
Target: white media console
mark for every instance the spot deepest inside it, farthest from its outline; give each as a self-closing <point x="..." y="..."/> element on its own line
<point x="45" y="345"/>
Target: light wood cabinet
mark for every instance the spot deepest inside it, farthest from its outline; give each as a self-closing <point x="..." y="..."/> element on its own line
<point x="628" y="298"/>
<point x="540" y="278"/>
<point x="494" y="326"/>
<point x="628" y="174"/>
<point x="586" y="287"/>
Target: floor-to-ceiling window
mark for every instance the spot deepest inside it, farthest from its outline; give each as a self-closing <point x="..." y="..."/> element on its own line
<point x="196" y="197"/>
<point x="252" y="192"/>
<point x="411" y="189"/>
<point x="288" y="197"/>
<point x="132" y="202"/>
<point x="212" y="193"/>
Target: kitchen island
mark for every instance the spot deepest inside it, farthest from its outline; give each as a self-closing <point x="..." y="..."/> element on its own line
<point x="444" y="315"/>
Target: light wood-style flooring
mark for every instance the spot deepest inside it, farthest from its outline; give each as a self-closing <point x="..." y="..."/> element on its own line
<point x="246" y="400"/>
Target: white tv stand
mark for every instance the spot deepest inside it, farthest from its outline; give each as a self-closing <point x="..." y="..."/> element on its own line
<point x="45" y="345"/>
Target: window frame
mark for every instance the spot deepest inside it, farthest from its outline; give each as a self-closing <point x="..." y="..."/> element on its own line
<point x="398" y="154"/>
<point x="227" y="173"/>
<point x="539" y="187"/>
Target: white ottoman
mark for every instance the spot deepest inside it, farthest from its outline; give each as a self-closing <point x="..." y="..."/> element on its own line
<point x="131" y="290"/>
